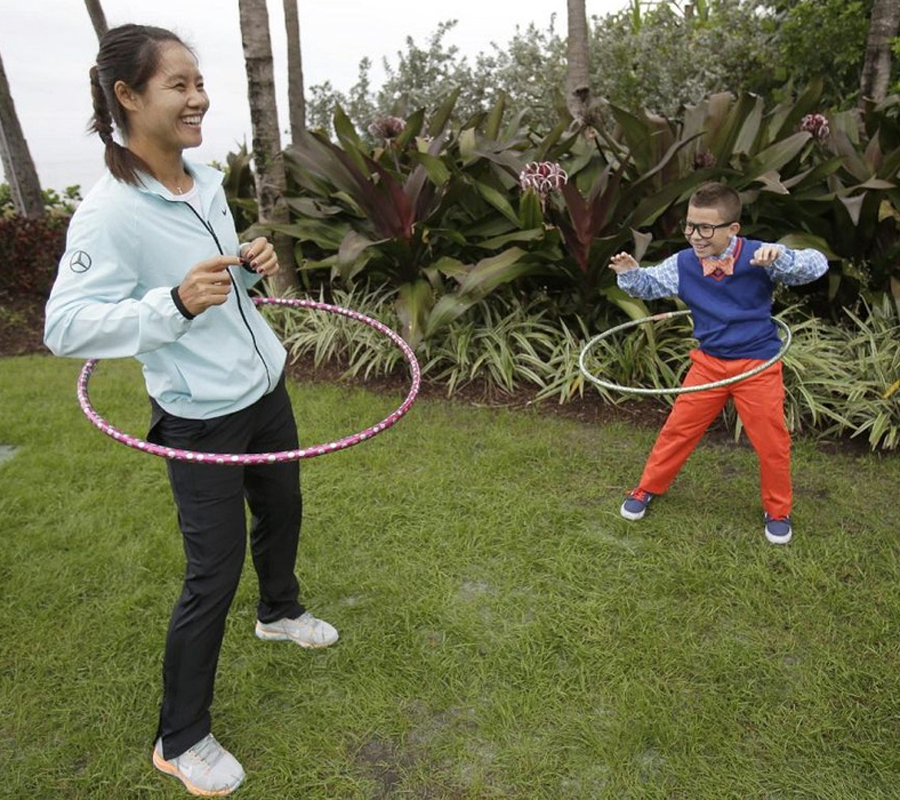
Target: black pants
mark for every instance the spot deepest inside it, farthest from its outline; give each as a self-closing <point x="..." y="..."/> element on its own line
<point x="210" y="501"/>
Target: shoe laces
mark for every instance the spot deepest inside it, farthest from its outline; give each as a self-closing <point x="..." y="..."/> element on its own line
<point x="208" y="750"/>
<point x="640" y="495"/>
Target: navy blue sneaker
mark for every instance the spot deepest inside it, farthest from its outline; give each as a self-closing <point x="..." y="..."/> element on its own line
<point x="635" y="505"/>
<point x="778" y="529"/>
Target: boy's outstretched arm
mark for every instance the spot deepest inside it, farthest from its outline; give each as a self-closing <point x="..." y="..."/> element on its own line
<point x="766" y="255"/>
<point x="791" y="267"/>
<point x="647" y="283"/>
<point x="622" y="262"/>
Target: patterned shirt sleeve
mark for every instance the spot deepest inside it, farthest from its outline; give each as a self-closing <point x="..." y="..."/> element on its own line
<point x="795" y="267"/>
<point x="651" y="283"/>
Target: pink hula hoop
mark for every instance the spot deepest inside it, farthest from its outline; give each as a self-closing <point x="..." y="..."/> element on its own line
<point x="251" y="459"/>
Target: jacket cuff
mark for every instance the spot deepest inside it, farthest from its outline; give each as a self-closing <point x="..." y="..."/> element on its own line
<point x="182" y="308"/>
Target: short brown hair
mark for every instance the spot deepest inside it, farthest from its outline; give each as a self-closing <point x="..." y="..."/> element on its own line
<point x="718" y="196"/>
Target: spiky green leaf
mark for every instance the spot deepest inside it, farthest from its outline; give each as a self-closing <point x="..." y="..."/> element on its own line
<point x="414" y="303"/>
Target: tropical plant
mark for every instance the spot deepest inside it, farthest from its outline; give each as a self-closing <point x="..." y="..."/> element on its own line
<point x="444" y="213"/>
<point x="336" y="339"/>
<point x="240" y="188"/>
<point x="503" y="344"/>
<point x="807" y="179"/>
<point x="867" y="191"/>
<point x="413" y="211"/>
<point x="626" y="187"/>
<point x="654" y="356"/>
<point x="870" y="358"/>
<point x="839" y="193"/>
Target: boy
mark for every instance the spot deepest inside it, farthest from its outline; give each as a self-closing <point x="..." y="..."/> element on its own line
<point x="727" y="282"/>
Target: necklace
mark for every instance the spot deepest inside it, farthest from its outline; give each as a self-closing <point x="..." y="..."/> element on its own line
<point x="178" y="187"/>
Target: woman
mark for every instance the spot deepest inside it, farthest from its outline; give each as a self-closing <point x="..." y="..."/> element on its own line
<point x="153" y="269"/>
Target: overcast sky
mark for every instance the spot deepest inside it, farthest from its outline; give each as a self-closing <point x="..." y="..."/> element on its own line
<point x="48" y="46"/>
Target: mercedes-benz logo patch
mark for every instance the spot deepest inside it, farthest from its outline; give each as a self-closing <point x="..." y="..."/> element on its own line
<point x="79" y="261"/>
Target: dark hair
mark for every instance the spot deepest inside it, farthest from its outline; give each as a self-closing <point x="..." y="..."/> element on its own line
<point x="720" y="196"/>
<point x="128" y="53"/>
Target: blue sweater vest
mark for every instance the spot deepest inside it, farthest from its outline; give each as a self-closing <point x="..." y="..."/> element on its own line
<point x="732" y="314"/>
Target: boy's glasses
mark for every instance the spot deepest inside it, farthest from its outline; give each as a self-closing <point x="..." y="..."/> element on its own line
<point x="704" y="230"/>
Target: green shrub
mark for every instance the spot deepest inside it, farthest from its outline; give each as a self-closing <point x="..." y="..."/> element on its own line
<point x="30" y="250"/>
<point x="445" y="212"/>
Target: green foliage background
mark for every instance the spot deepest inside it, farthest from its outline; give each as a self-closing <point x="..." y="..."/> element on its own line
<point x="645" y="56"/>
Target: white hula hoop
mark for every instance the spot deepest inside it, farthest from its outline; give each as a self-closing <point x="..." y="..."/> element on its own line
<point x="785" y="344"/>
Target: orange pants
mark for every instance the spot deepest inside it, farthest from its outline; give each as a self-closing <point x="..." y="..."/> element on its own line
<point x="760" y="404"/>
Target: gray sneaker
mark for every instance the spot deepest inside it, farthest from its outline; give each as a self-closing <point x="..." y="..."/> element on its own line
<point x="635" y="505"/>
<point x="206" y="769"/>
<point x="305" y="630"/>
<point x="778" y="529"/>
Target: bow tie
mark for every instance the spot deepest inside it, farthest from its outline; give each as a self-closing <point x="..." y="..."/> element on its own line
<point x="717" y="267"/>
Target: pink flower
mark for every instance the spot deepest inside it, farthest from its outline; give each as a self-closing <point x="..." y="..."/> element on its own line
<point x="387" y="127"/>
<point x="817" y="125"/>
<point x="704" y="159"/>
<point x="543" y="177"/>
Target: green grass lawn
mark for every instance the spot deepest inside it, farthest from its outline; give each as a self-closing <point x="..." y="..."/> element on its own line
<point x="504" y="633"/>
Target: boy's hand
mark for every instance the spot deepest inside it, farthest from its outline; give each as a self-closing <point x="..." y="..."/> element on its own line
<point x="622" y="262"/>
<point x="766" y="255"/>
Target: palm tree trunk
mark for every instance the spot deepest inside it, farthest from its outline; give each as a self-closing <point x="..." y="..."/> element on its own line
<point x="877" y="66"/>
<point x="98" y="18"/>
<point x="18" y="166"/>
<point x="296" y="98"/>
<point x="268" y="158"/>
<point x="578" y="87"/>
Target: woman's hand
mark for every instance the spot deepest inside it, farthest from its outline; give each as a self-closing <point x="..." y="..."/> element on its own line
<point x="260" y="255"/>
<point x="207" y="284"/>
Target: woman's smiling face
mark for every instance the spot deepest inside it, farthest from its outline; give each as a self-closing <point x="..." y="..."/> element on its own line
<point x="168" y="114"/>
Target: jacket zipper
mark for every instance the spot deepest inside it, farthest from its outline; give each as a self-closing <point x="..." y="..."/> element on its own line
<point x="237" y="293"/>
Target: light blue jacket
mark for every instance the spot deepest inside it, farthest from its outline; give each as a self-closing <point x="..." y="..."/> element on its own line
<point x="127" y="247"/>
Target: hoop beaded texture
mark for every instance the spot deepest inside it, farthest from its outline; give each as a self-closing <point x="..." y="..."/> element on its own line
<point x="251" y="459"/>
<point x="785" y="344"/>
